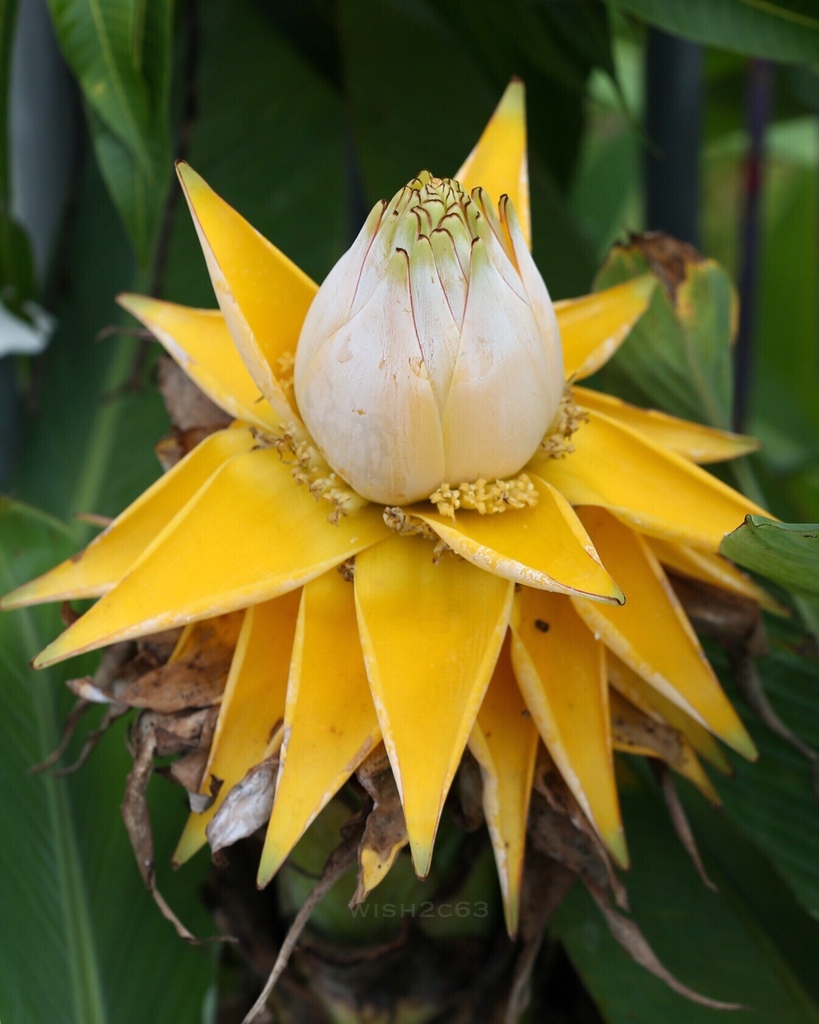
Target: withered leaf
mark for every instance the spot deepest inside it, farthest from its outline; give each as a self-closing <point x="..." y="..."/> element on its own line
<point x="385" y="832"/>
<point x="680" y="821"/>
<point x="558" y="827"/>
<point x="187" y="772"/>
<point x="729" y="618"/>
<point x="176" y="446"/>
<point x="469" y="815"/>
<point x="628" y="935"/>
<point x="187" y="406"/>
<point x="637" y="733"/>
<point x="153" y="736"/>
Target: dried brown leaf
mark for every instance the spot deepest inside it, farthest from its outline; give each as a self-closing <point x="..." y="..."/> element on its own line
<point x="187" y="772"/>
<point x="680" y="821"/>
<point x="187" y="406"/>
<point x="183" y="731"/>
<point x="667" y="257"/>
<point x="149" y="739"/>
<point x="628" y="935"/>
<point x="385" y="832"/>
<point x="729" y="618"/>
<point x="112" y="714"/>
<point x="558" y="827"/>
<point x="176" y="446"/>
<point x="468" y="813"/>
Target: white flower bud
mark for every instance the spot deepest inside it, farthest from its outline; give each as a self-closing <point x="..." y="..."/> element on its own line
<point x="431" y="353"/>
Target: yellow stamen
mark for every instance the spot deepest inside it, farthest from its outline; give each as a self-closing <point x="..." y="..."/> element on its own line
<point x="309" y="467"/>
<point x="556" y="444"/>
<point x="485" y="496"/>
<point x="407" y="526"/>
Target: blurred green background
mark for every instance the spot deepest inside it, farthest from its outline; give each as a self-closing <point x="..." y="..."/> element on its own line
<point x="697" y="117"/>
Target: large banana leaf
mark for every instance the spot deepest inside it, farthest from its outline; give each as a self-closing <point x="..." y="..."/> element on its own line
<point x="782" y="30"/>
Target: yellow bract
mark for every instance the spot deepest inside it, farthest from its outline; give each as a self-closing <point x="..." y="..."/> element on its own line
<point x="431" y="634"/>
<point x="498" y="162"/>
<point x="499" y="631"/>
<point x="330" y="723"/>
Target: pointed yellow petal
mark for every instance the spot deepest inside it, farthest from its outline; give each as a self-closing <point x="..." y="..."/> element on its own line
<point x="504" y="742"/>
<point x="653" y="704"/>
<point x="636" y="733"/>
<point x="252" y="708"/>
<point x="594" y="326"/>
<point x="652" y="634"/>
<point x="561" y="671"/>
<point x="262" y="294"/>
<point x="430" y="633"/>
<point x="200" y="342"/>
<point x="653" y="489"/>
<point x="330" y="724"/>
<point x="690" y="440"/>
<point x="111" y="555"/>
<point x="498" y="161"/>
<point x="713" y="569"/>
<point x="544" y="546"/>
<point x="250" y="534"/>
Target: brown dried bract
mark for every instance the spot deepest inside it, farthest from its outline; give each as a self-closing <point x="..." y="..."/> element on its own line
<point x="385" y="832"/>
<point x="246" y="808"/>
<point x="187" y="406"/>
<point x="155" y="736"/>
<point x="667" y="257"/>
<point x="558" y="828"/>
<point x="628" y="935"/>
<point x="732" y="620"/>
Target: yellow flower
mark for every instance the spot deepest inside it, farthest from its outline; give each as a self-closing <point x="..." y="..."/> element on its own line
<point x="447" y="625"/>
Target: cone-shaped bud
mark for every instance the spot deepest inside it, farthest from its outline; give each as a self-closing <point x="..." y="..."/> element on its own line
<point x="431" y="353"/>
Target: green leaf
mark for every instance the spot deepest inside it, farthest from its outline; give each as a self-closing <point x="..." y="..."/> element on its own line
<point x="786" y="553"/>
<point x="16" y="268"/>
<point x="120" y="52"/>
<point x="8" y="12"/>
<point x="93" y="400"/>
<point x="773" y="802"/>
<point x="138" y="195"/>
<point x="781" y="30"/>
<point x="49" y="912"/>
<point x="678" y="356"/>
<point x="69" y="889"/>
<point x="409" y="113"/>
<point x="90" y="947"/>
<point x="17" y="286"/>
<point x="271" y="143"/>
<point x="730" y="945"/>
<point x="783" y="407"/>
<point x="102" y="43"/>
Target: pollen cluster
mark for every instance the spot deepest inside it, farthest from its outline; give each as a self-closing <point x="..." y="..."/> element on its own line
<point x="485" y="496"/>
<point x="309" y="468"/>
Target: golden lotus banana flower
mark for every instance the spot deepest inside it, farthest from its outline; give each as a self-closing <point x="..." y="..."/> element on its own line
<point x="428" y="539"/>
